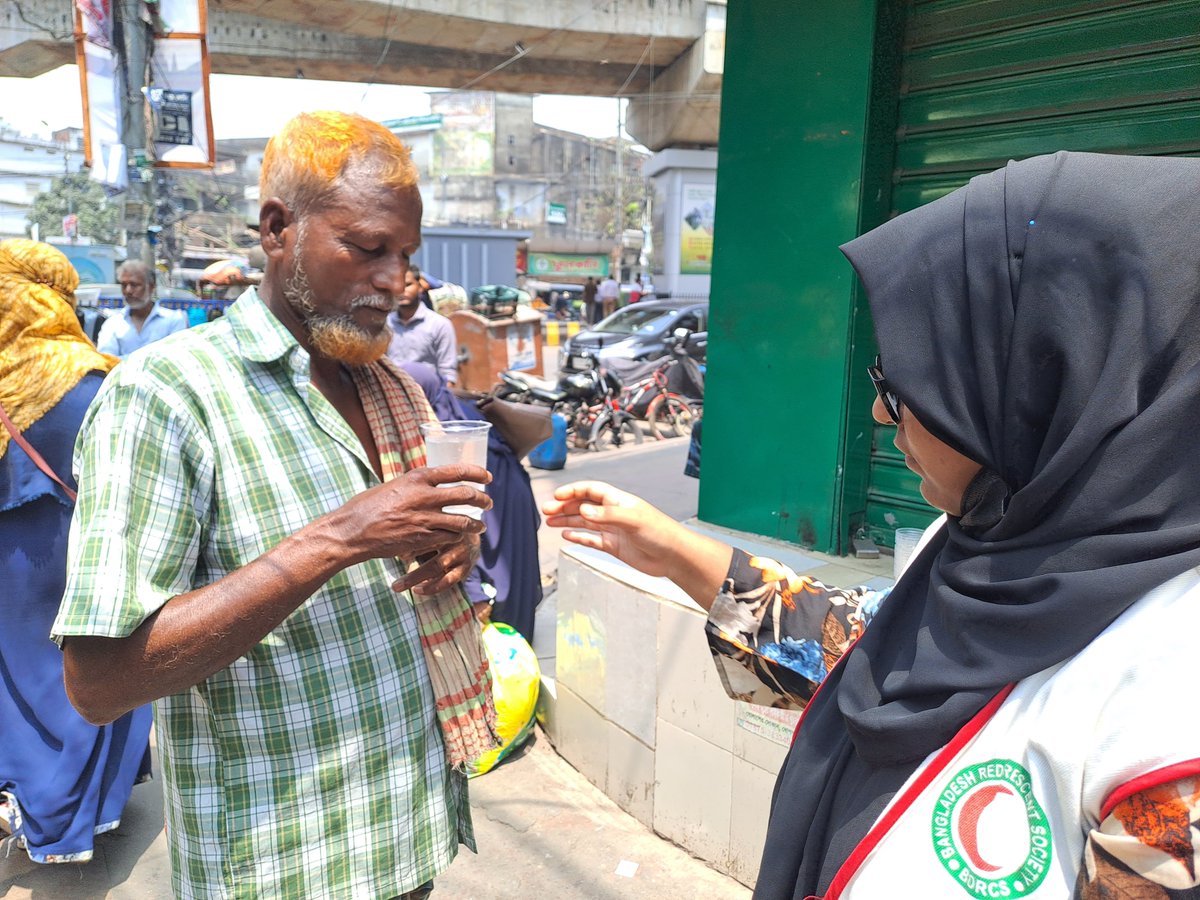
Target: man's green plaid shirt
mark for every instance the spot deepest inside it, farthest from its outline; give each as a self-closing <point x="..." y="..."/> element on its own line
<point x="313" y="767"/>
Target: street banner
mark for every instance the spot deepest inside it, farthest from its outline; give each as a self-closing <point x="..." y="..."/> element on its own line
<point x="100" y="86"/>
<point x="180" y="113"/>
<point x="96" y="22"/>
<point x="177" y="92"/>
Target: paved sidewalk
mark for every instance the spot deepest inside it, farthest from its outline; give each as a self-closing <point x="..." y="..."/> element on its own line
<point x="544" y="831"/>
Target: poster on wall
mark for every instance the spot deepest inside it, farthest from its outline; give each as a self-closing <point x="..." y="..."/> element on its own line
<point x="697" y="211"/>
<point x="522" y="351"/>
<point x="658" y="228"/>
<point x="465" y="146"/>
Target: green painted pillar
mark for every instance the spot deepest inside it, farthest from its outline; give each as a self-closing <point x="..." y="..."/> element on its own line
<point x="807" y="124"/>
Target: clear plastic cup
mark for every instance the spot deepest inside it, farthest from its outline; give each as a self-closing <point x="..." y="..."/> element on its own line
<point x="906" y="542"/>
<point x="452" y="442"/>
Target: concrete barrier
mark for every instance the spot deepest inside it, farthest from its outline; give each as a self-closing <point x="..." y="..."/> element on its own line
<point x="638" y="708"/>
<point x="555" y="333"/>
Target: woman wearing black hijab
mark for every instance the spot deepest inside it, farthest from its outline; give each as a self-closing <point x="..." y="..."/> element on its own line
<point x="1014" y="721"/>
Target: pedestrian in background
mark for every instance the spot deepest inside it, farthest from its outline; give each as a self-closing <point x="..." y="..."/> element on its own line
<point x="260" y="548"/>
<point x="589" y="301"/>
<point x="143" y="320"/>
<point x="560" y="301"/>
<point x="609" y="293"/>
<point x="1012" y="719"/>
<point x="419" y="334"/>
<point x="62" y="780"/>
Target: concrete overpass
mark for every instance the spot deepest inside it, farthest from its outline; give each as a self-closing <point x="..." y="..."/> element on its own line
<point x="665" y="55"/>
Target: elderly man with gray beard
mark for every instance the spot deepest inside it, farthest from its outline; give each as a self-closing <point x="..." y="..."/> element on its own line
<point x="143" y="320"/>
<point x="259" y="548"/>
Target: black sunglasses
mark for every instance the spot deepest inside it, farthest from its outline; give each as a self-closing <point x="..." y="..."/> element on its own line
<point x="891" y="403"/>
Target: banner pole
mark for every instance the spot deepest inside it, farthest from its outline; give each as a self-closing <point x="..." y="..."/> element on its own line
<point x="132" y="45"/>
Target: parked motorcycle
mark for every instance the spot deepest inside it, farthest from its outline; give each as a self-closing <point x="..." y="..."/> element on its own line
<point x="588" y="398"/>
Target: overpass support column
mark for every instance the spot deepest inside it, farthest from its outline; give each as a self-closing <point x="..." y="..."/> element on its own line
<point x="807" y="125"/>
<point x="684" y="183"/>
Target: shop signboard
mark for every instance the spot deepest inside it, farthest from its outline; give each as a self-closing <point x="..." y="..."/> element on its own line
<point x="556" y="214"/>
<point x="571" y="265"/>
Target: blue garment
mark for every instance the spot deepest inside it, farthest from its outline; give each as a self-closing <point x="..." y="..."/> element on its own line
<point x="71" y="780"/>
<point x="120" y="337"/>
<point x="508" y="553"/>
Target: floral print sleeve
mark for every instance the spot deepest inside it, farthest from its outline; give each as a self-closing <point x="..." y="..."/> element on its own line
<point x="1147" y="848"/>
<point x="775" y="634"/>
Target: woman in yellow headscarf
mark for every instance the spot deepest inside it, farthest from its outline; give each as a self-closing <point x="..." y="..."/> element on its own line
<point x="61" y="780"/>
<point x="43" y="351"/>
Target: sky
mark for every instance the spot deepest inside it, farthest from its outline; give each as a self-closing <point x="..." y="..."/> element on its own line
<point x="37" y="106"/>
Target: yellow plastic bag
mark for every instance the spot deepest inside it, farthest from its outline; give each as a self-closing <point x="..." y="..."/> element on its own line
<point x="516" y="680"/>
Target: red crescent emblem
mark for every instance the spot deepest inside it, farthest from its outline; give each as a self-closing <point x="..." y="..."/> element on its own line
<point x="968" y="824"/>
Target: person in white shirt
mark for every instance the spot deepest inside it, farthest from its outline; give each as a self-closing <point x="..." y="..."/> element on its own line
<point x="609" y="293"/>
<point x="142" y="321"/>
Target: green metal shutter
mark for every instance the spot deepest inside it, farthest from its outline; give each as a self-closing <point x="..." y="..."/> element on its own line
<point x="986" y="81"/>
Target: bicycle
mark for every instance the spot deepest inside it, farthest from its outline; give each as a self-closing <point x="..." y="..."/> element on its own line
<point x="666" y="412"/>
<point x="609" y="424"/>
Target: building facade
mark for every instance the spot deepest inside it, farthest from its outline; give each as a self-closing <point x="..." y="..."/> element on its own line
<point x="28" y="167"/>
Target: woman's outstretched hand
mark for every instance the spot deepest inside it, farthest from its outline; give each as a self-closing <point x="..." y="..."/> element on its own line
<point x="598" y="515"/>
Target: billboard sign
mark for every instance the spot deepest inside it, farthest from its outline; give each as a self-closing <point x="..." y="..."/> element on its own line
<point x="697" y="211"/>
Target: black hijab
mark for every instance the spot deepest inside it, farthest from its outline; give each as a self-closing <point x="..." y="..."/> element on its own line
<point x="1044" y="320"/>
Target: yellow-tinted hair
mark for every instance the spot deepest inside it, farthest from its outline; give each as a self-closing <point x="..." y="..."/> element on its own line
<point x="313" y="150"/>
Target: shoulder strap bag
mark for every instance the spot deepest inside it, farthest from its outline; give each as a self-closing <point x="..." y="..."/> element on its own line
<point x="33" y="454"/>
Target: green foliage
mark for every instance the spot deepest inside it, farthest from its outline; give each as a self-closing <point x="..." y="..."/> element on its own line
<point x="76" y="192"/>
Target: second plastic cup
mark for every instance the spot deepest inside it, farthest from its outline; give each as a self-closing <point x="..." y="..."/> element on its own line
<point x="906" y="542"/>
<point x="457" y="442"/>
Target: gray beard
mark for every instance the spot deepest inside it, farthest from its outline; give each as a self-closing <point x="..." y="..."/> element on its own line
<point x="337" y="337"/>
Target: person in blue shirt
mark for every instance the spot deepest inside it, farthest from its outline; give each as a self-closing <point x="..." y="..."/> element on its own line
<point x="421" y="335"/>
<point x="143" y="321"/>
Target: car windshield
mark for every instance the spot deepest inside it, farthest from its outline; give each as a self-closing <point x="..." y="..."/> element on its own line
<point x="637" y="320"/>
